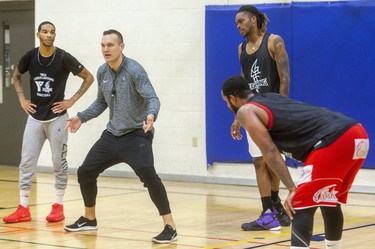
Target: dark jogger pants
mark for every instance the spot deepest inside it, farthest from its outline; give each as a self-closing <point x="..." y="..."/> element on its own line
<point x="134" y="149"/>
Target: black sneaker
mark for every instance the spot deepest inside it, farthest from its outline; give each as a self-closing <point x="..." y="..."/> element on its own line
<point x="82" y="224"/>
<point x="166" y="236"/>
<point x="282" y="216"/>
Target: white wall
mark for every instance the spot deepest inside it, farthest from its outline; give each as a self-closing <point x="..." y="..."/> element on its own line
<point x="167" y="38"/>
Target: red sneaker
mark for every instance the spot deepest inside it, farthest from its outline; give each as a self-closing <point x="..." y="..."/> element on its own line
<point x="20" y="215"/>
<point x="57" y="213"/>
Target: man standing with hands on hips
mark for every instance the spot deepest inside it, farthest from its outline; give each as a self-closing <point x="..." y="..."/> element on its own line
<point x="49" y="68"/>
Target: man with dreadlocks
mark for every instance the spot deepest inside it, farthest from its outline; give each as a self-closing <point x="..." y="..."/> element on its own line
<point x="265" y="66"/>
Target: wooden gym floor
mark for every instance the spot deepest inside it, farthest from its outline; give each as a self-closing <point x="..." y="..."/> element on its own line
<point x="207" y="216"/>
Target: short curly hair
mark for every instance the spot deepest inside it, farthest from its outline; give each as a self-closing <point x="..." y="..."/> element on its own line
<point x="236" y="86"/>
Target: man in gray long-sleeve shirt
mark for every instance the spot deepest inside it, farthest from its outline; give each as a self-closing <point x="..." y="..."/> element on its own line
<point x="123" y="87"/>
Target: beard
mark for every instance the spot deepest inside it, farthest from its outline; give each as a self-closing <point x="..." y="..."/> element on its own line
<point x="48" y="43"/>
<point x="233" y="108"/>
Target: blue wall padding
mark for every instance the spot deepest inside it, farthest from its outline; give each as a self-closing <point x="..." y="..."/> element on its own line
<point x="331" y="62"/>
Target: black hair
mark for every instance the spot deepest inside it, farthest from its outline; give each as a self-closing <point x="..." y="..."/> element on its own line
<point x="262" y="18"/>
<point x="44" y="23"/>
<point x="117" y="33"/>
<point x="236" y="86"/>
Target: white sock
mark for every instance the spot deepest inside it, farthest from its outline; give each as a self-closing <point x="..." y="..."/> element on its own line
<point x="24" y="197"/>
<point x="333" y="244"/>
<point x="59" y="196"/>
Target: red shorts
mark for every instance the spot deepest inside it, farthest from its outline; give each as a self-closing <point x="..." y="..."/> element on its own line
<point x="329" y="172"/>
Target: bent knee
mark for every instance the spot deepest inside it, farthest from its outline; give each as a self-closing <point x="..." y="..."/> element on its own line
<point x="148" y="176"/>
<point x="86" y="175"/>
<point x="259" y="163"/>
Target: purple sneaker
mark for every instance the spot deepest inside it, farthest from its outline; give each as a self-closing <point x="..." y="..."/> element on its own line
<point x="266" y="221"/>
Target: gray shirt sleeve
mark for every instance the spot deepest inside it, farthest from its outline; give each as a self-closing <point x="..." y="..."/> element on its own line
<point x="146" y="91"/>
<point x="96" y="108"/>
<point x="133" y="100"/>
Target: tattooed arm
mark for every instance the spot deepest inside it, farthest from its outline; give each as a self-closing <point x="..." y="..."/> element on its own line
<point x="26" y="104"/>
<point x="276" y="46"/>
<point x="253" y="119"/>
<point x="88" y="79"/>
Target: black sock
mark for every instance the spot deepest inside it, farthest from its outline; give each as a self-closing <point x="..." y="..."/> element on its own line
<point x="267" y="203"/>
<point x="275" y="196"/>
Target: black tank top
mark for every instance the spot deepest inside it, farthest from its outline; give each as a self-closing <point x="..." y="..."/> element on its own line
<point x="260" y="69"/>
<point x="48" y="77"/>
<point x="297" y="128"/>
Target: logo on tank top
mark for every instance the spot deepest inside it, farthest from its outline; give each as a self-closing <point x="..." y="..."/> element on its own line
<point x="43" y="84"/>
<point x="326" y="194"/>
<point x="255" y="75"/>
